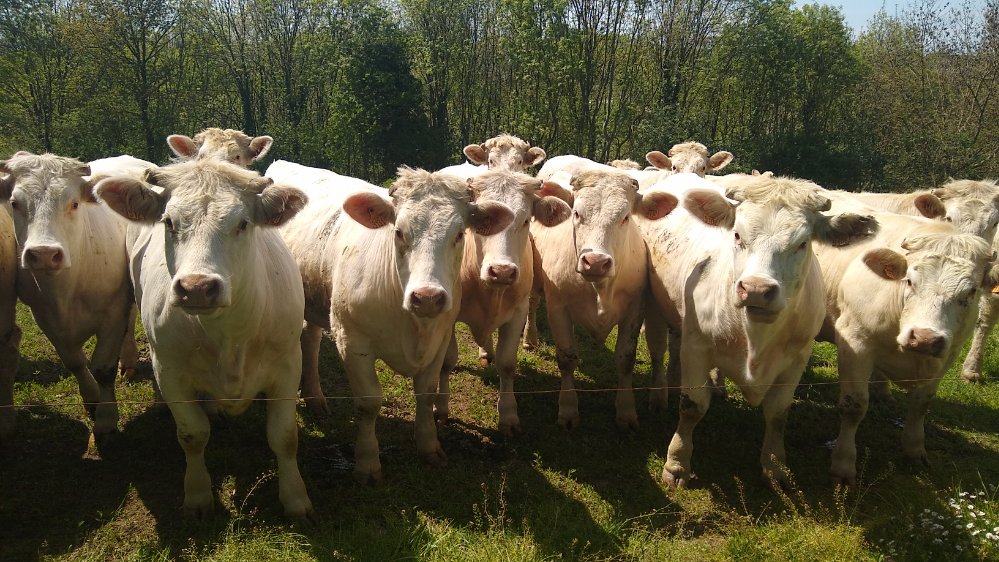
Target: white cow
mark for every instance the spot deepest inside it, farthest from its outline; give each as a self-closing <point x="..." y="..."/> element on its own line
<point x="973" y="208"/>
<point x="742" y="278"/>
<point x="497" y="275"/>
<point x="72" y="271"/>
<point x="502" y="152"/>
<point x="902" y="305"/>
<point x="380" y="270"/>
<point x="228" y="145"/>
<point x="222" y="304"/>
<point x="10" y="334"/>
<point x="689" y="157"/>
<point x="594" y="274"/>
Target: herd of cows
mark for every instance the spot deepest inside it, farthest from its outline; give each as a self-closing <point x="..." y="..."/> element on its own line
<point x="236" y="275"/>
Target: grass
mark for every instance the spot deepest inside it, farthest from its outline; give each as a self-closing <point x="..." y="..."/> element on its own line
<point x="589" y="494"/>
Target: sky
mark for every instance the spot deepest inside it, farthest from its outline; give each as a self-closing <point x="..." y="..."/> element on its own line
<point x="859" y="12"/>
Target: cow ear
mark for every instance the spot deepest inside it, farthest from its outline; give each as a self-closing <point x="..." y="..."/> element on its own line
<point x="719" y="160"/>
<point x="886" y="263"/>
<point x="6" y="186"/>
<point x="476" y="154"/>
<point x="659" y="160"/>
<point x="259" y="147"/>
<point x="551" y="211"/>
<point x="930" y="206"/>
<point x="844" y="229"/>
<point x="183" y="146"/>
<point x="534" y="156"/>
<point x="131" y="199"/>
<point x="369" y="209"/>
<point x="489" y="217"/>
<point x="276" y="205"/>
<point x="990" y="280"/>
<point x="655" y="205"/>
<point x="554" y="189"/>
<point x="87" y="189"/>
<point x="710" y="208"/>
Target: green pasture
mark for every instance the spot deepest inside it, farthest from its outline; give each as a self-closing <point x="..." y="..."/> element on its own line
<point x="546" y="494"/>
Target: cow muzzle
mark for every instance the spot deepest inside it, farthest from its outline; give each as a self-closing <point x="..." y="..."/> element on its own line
<point x="760" y="297"/>
<point x="594" y="266"/>
<point x="427" y="302"/>
<point x="501" y="274"/>
<point x="198" y="293"/>
<point x="924" y="340"/>
<point x="44" y="258"/>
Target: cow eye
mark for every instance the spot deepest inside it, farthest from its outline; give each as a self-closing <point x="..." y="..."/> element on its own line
<point x="75" y="205"/>
<point x="169" y="223"/>
<point x="802" y="246"/>
<point x="908" y="282"/>
<point x="948" y="219"/>
<point x="399" y="237"/>
<point x="13" y="204"/>
<point x="575" y="215"/>
<point x="242" y="225"/>
<point x="527" y="222"/>
<point x="738" y="240"/>
<point x="626" y="217"/>
<point x="460" y="237"/>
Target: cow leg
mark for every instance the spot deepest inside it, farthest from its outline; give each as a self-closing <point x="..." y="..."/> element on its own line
<point x="988" y="313"/>
<point x="425" y="384"/>
<point x="776" y="404"/>
<point x="76" y="361"/>
<point x="312" y="391"/>
<point x="913" y="436"/>
<point x="880" y="388"/>
<point x="675" y="366"/>
<point x="531" y="340"/>
<point x="695" y="398"/>
<point x="104" y="366"/>
<point x="565" y="355"/>
<point x="367" y="391"/>
<point x="486" y="351"/>
<point x="506" y="366"/>
<point x="656" y="337"/>
<point x="624" y="355"/>
<point x="193" y="431"/>
<point x="443" y="390"/>
<point x="128" y="355"/>
<point x="282" y="436"/>
<point x="854" y="381"/>
<point x="9" y="356"/>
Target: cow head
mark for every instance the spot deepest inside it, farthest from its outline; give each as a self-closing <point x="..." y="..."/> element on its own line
<point x="207" y="214"/>
<point x="500" y="254"/>
<point x="227" y="145"/>
<point x="505" y="152"/>
<point x="772" y="223"/>
<point x="428" y="213"/>
<point x="689" y="157"/>
<point x="939" y="278"/>
<point x="602" y="205"/>
<point x="974" y="216"/>
<point x="46" y="194"/>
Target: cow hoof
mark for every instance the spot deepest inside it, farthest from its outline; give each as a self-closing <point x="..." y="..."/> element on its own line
<point x="368" y="478"/>
<point x="972" y="377"/>
<point x="435" y="458"/>
<point x="625" y="424"/>
<point x="509" y="429"/>
<point x="841" y="481"/>
<point x="484" y="362"/>
<point x="568" y="422"/>
<point x="129" y="374"/>
<point x="676" y="481"/>
<point x="200" y="510"/>
<point x="317" y="406"/>
<point x="719" y="393"/>
<point x="303" y="517"/>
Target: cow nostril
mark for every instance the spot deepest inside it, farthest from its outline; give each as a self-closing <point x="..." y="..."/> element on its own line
<point x="770" y="293"/>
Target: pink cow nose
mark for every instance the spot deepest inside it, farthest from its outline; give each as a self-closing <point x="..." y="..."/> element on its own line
<point x="922" y="340"/>
<point x="754" y="291"/>
<point x="594" y="264"/>
<point x="44" y="257"/>
<point x="502" y="274"/>
<point x="198" y="291"/>
<point x="427" y="301"/>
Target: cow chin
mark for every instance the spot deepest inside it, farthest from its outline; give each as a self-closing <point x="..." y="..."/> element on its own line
<point x="762" y="315"/>
<point x="204" y="311"/>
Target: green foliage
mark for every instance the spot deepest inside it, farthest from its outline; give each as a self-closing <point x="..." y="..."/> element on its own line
<point x="362" y="86"/>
